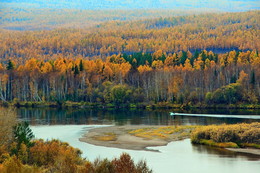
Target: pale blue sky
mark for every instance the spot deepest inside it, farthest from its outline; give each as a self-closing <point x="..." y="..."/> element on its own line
<point x="225" y="5"/>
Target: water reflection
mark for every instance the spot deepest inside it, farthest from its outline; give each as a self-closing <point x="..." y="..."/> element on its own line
<point x="221" y="152"/>
<point x="53" y="116"/>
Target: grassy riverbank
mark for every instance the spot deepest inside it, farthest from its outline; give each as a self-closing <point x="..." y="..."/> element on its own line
<point x="141" y="105"/>
<point x="228" y="136"/>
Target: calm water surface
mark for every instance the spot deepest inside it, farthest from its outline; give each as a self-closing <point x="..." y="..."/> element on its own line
<point x="49" y="116"/>
<point x="179" y="157"/>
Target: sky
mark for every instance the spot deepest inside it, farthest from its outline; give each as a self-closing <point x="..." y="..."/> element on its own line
<point x="225" y="5"/>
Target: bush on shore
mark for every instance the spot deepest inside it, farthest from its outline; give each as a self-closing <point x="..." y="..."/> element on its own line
<point x="237" y="135"/>
<point x="20" y="153"/>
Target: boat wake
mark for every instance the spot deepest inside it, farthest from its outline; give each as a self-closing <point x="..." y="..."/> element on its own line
<point x="217" y="115"/>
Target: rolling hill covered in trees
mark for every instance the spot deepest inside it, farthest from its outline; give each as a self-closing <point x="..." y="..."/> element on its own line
<point x="42" y="14"/>
<point x="122" y="54"/>
<point x="22" y="18"/>
<point x="193" y="59"/>
<point x="217" y="32"/>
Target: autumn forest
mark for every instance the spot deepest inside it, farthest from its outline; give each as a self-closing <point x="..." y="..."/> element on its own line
<point x="81" y="82"/>
<point x="195" y="59"/>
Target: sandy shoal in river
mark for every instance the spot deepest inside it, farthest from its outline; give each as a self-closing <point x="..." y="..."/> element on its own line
<point x="124" y="140"/>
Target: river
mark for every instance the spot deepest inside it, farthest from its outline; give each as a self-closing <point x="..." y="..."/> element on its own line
<point x="180" y="156"/>
<point x="53" y="116"/>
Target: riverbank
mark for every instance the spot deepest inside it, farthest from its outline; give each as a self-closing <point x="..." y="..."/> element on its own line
<point x="235" y="137"/>
<point x="141" y="105"/>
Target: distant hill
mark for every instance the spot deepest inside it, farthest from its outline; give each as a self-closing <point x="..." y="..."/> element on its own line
<point x="217" y="32"/>
<point x="24" y="18"/>
<point x="225" y="5"/>
<point x="50" y="14"/>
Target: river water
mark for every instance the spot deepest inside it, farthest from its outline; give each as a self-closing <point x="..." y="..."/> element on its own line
<point x="52" y="116"/>
<point x="179" y="157"/>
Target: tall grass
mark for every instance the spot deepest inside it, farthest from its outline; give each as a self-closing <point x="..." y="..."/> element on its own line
<point x="237" y="135"/>
<point x="163" y="132"/>
<point x="8" y="119"/>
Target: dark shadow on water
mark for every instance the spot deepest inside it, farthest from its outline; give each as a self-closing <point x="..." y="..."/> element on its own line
<point x="53" y="116"/>
<point x="221" y="152"/>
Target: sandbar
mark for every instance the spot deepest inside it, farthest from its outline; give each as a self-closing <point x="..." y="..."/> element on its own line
<point x="121" y="138"/>
<point x="124" y="140"/>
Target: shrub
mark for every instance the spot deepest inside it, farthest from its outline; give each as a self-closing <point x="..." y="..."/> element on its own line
<point x="224" y="135"/>
<point x="12" y="165"/>
<point x="227" y="94"/>
<point x="251" y="136"/>
<point x="53" y="153"/>
<point x="7" y="121"/>
<point x="238" y="133"/>
<point x="208" y="98"/>
<point x="102" y="166"/>
<point x="124" y="164"/>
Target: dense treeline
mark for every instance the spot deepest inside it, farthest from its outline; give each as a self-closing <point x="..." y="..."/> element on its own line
<point x="19" y="152"/>
<point x="202" y="77"/>
<point x="216" y="32"/>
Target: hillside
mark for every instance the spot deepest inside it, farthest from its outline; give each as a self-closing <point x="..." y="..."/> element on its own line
<point x="219" y="33"/>
<point x="205" y="59"/>
<point x="47" y="15"/>
<point x="22" y="18"/>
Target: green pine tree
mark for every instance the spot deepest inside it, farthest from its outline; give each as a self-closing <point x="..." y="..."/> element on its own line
<point x="76" y="70"/>
<point x="81" y="67"/>
<point x="10" y="65"/>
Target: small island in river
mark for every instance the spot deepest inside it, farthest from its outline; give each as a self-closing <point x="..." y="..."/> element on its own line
<point x="136" y="137"/>
<point x="139" y="137"/>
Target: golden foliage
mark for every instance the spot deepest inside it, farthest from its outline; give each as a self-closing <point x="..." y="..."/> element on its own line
<point x="46" y="68"/>
<point x="237" y="133"/>
<point x="106" y="137"/>
<point x="47" y="153"/>
<point x="162" y="132"/>
<point x="144" y="68"/>
<point x="7" y="120"/>
<point x="183" y="33"/>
